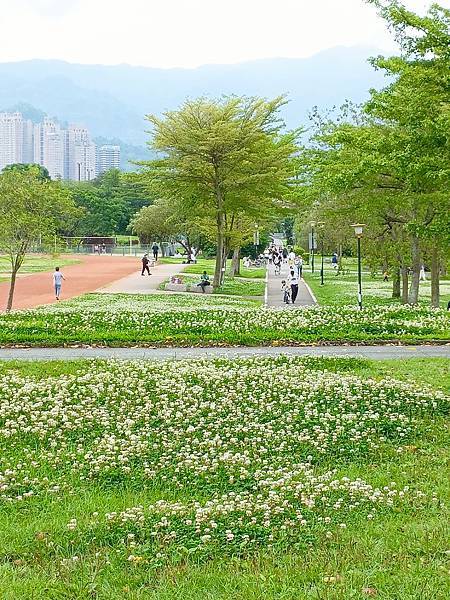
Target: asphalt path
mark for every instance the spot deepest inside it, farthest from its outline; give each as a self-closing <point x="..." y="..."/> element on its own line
<point x="370" y="352"/>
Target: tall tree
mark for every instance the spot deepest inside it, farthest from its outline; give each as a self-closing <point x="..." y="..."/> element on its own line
<point x="222" y="159"/>
<point x="30" y="209"/>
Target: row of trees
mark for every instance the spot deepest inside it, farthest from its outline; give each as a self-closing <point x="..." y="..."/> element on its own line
<point x="387" y="163"/>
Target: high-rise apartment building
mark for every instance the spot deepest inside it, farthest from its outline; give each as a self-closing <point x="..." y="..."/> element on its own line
<point x="66" y="153"/>
<point x="16" y="139"/>
<point x="49" y="148"/>
<point x="80" y="154"/>
<point x="108" y="157"/>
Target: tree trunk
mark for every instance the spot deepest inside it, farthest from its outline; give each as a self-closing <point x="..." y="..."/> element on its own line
<point x="404" y="271"/>
<point x="220" y="248"/>
<point x="339" y="259"/>
<point x="12" y="286"/>
<point x="435" y="271"/>
<point x="396" y="283"/>
<point x="413" y="296"/>
<point x="224" y="261"/>
<point x="236" y="263"/>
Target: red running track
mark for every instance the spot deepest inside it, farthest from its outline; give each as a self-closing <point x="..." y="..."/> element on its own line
<point x="90" y="274"/>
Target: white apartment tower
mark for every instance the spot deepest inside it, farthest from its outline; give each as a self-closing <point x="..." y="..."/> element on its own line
<point x="49" y="148"/>
<point x="80" y="154"/>
<point x="65" y="153"/>
<point x="16" y="139"/>
<point x="108" y="157"/>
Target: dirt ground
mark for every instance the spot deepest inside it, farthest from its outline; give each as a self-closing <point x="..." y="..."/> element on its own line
<point x="91" y="273"/>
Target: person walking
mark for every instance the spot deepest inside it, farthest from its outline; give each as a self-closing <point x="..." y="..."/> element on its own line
<point x="334" y="260"/>
<point x="298" y="264"/>
<point x="422" y="275"/>
<point x="285" y="254"/>
<point x="293" y="280"/>
<point x="145" y="267"/>
<point x="291" y="258"/>
<point x="155" y="249"/>
<point x="204" y="281"/>
<point x="277" y="263"/>
<point x="58" y="278"/>
<point x="286" y="289"/>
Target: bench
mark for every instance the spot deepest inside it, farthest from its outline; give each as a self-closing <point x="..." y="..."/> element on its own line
<point x="175" y="287"/>
<point x="196" y="289"/>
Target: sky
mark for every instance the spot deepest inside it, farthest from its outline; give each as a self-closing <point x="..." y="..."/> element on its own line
<point x="187" y="33"/>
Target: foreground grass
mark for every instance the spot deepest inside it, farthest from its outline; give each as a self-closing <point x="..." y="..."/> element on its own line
<point x="401" y="555"/>
<point x="343" y="289"/>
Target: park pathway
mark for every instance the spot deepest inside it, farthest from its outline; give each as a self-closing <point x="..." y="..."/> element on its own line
<point x="274" y="295"/>
<point x="90" y="273"/>
<point x="370" y="352"/>
<point x="138" y="284"/>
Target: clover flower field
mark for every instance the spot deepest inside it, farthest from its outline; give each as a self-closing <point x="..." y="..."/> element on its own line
<point x="168" y="319"/>
<point x="225" y="456"/>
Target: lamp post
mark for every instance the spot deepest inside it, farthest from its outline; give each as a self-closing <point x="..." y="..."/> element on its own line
<point x="358" y="227"/>
<point x="320" y="225"/>
<point x="313" y="223"/>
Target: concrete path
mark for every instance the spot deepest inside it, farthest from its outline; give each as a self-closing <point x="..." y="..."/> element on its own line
<point x="86" y="276"/>
<point x="138" y="284"/>
<point x="371" y="352"/>
<point x="274" y="295"/>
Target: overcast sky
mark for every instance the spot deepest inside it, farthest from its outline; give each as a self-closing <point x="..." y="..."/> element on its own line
<point x="186" y="33"/>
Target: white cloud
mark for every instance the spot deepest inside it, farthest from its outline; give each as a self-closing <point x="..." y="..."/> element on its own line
<point x="186" y="33"/>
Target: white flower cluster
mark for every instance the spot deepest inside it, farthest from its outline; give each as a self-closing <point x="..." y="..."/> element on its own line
<point x="244" y="440"/>
<point x="227" y="319"/>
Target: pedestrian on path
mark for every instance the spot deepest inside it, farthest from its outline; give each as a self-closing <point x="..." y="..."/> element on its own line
<point x="145" y="267"/>
<point x="277" y="263"/>
<point x="293" y="280"/>
<point x="285" y="254"/>
<point x="155" y="249"/>
<point x="291" y="258"/>
<point x="298" y="264"/>
<point x="286" y="289"/>
<point x="58" y="278"/>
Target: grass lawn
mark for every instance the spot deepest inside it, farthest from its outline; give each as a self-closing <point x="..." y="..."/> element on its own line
<point x="343" y="289"/>
<point x="197" y="319"/>
<point x="35" y="263"/>
<point x="236" y="286"/>
<point x="248" y="479"/>
<point x="207" y="264"/>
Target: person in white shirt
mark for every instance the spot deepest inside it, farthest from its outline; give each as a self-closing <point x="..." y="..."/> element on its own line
<point x="58" y="278"/>
<point x="291" y="258"/>
<point x="293" y="280"/>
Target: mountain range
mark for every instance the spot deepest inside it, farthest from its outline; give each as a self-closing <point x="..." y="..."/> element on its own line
<point x="113" y="100"/>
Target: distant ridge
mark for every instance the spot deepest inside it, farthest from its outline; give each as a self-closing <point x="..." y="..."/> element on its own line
<point x="112" y="100"/>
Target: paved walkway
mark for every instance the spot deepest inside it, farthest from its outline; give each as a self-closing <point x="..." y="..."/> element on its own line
<point x="371" y="352"/>
<point x="86" y="276"/>
<point x="274" y="295"/>
<point x="138" y="284"/>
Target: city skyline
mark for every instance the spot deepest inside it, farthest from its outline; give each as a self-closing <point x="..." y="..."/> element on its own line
<point x="187" y="35"/>
<point x="68" y="153"/>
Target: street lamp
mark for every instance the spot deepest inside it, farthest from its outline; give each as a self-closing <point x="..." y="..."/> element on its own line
<point x="320" y="226"/>
<point x="358" y="227"/>
<point x="313" y="223"/>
